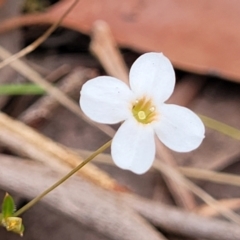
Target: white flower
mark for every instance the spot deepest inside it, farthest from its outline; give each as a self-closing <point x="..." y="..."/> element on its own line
<point x="142" y="108"/>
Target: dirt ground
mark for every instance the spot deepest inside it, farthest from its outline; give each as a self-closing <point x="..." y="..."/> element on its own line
<point x="214" y="97"/>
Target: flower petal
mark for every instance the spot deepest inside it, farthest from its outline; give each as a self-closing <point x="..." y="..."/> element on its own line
<point x="152" y="74"/>
<point x="133" y="146"/>
<point x="106" y="100"/>
<point x="179" y="128"/>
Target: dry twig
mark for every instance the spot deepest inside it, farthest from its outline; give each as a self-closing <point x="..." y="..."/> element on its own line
<point x="104" y="47"/>
<point x="183" y="223"/>
<point x="171" y="172"/>
<point x="182" y="196"/>
<point x="39" y="41"/>
<point x="77" y="199"/>
<point x="26" y="141"/>
<point x="205" y="210"/>
<point x="115" y="216"/>
<point x="44" y="108"/>
<point x="196" y="173"/>
<point x="180" y="180"/>
<point x="202" y="174"/>
<point x="62" y="98"/>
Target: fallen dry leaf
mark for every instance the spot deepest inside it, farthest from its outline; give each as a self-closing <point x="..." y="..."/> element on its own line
<point x="199" y="36"/>
<point x="1" y="2"/>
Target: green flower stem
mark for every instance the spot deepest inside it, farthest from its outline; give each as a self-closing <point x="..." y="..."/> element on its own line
<point x="221" y="127"/>
<point x="21" y="89"/>
<point x="38" y="198"/>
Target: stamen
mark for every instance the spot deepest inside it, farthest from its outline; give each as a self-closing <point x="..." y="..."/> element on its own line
<point x="144" y="111"/>
<point x="141" y="115"/>
<point x="152" y="109"/>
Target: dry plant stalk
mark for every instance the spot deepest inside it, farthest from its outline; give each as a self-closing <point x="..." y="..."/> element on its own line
<point x="184" y="198"/>
<point x="57" y="73"/>
<point x="186" y="90"/>
<point x="39" y="41"/>
<point x="183" y="223"/>
<point x="50" y="91"/>
<point x="118" y="209"/>
<point x="223" y="178"/>
<point x="26" y="141"/>
<point x="35" y="77"/>
<point x="190" y="84"/>
<point x="78" y="199"/>
<point x="62" y="98"/>
<point x="181" y="180"/>
<point x="44" y="108"/>
<point x="202" y="174"/>
<point x="104" y="47"/>
<point x="205" y="210"/>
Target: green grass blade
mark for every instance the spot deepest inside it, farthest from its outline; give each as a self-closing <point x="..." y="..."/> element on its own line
<point x="221" y="127"/>
<point x="21" y="89"/>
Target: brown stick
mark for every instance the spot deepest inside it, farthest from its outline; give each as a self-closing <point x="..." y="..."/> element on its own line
<point x="32" y="75"/>
<point x="186" y="90"/>
<point x="178" y="178"/>
<point x="182" y="196"/>
<point x="26" y="141"/>
<point x="112" y="216"/>
<point x="184" y="93"/>
<point x="184" y="223"/>
<point x="207" y="175"/>
<point x="45" y="106"/>
<point x="40" y="40"/>
<point x="104" y="46"/>
<point x="78" y="199"/>
<point x="214" y="207"/>
<point x="27" y="20"/>
<point x="205" y="210"/>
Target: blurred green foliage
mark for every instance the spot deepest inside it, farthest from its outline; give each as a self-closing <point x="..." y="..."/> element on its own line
<point x="31" y="6"/>
<point x="7" y="218"/>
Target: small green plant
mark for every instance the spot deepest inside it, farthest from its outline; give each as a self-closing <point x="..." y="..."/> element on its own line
<point x="7" y="218"/>
<point x="31" y="6"/>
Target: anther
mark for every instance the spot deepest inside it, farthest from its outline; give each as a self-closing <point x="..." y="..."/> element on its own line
<point x="152" y="109"/>
<point x="141" y="115"/>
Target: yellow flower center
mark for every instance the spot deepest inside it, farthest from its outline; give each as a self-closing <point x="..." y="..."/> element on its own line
<point x="144" y="111"/>
<point x="13" y="223"/>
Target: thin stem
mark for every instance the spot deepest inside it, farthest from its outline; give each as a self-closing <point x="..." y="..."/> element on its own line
<point x="21" y="89"/>
<point x="38" y="198"/>
<point x="39" y="41"/>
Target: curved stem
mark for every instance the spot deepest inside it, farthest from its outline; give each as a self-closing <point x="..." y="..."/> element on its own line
<point x="38" y="198"/>
<point x="39" y="41"/>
